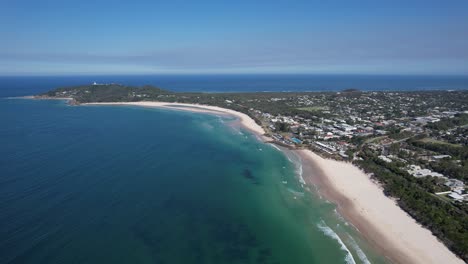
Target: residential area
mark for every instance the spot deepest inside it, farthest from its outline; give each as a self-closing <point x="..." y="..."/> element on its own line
<point x="415" y="134"/>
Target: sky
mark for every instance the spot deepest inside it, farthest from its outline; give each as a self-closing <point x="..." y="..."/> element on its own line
<point x="51" y="37"/>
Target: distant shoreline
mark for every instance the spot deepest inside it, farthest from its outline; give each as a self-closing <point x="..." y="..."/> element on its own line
<point x="43" y="97"/>
<point x="244" y="119"/>
<point x="360" y="200"/>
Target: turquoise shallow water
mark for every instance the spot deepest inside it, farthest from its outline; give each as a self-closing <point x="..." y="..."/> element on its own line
<point x="110" y="184"/>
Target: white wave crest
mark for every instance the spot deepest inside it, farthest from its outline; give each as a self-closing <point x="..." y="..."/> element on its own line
<point x="275" y="147"/>
<point x="330" y="233"/>
<point x="361" y="255"/>
<point x="340" y="217"/>
<point x="300" y="173"/>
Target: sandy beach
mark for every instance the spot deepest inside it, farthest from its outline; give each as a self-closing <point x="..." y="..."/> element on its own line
<point x="360" y="200"/>
<point x="244" y="119"/>
<point x="381" y="221"/>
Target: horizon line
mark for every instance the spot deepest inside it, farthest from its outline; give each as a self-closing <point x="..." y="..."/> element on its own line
<point x="233" y="74"/>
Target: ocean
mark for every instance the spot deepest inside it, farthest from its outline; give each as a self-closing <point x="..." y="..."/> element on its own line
<point x="17" y="86"/>
<point x="115" y="184"/>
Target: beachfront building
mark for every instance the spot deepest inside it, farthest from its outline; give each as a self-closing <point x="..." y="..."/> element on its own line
<point x="385" y="158"/>
<point x="454" y="184"/>
<point x="418" y="172"/>
<point x="456" y="196"/>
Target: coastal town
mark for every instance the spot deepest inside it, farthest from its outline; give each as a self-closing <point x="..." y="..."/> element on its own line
<point x="414" y="144"/>
<point x="417" y="137"/>
<point x="423" y="134"/>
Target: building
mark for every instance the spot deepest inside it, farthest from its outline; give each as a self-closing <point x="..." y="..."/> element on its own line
<point x="384" y="158"/>
<point x="455" y="196"/>
<point x="441" y="156"/>
<point x="418" y="172"/>
<point x="454" y="184"/>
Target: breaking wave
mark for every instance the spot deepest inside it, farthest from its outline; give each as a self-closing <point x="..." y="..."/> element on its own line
<point x="361" y="255"/>
<point x="275" y="147"/>
<point x="330" y="233"/>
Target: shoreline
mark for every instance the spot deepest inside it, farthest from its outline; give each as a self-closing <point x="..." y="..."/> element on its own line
<point x="35" y="97"/>
<point x="244" y="120"/>
<point x="361" y="201"/>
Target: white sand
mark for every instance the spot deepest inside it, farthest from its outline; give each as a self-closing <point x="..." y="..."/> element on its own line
<point x="244" y="119"/>
<point x="411" y="242"/>
<point x="381" y="221"/>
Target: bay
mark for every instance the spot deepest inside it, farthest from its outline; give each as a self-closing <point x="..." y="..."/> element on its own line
<point x="95" y="184"/>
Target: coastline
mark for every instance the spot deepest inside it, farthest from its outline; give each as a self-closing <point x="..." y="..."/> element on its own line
<point x="360" y="200"/>
<point x="244" y="120"/>
<point x="377" y="217"/>
<point x="45" y="97"/>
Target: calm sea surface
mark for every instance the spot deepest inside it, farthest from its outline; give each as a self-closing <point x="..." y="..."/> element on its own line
<point x="109" y="184"/>
<point x="15" y="86"/>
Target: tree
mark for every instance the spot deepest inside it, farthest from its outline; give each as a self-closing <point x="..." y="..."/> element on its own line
<point x="281" y="126"/>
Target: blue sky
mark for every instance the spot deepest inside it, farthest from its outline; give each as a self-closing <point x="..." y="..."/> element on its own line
<point x="146" y="37"/>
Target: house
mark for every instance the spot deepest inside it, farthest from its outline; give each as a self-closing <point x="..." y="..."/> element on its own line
<point x="418" y="172"/>
<point x="384" y="158"/>
<point x="441" y="156"/>
<point x="454" y="184"/>
<point x="455" y="196"/>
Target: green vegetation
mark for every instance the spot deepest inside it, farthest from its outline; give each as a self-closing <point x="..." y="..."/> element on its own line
<point x="448" y="222"/>
<point x="457" y="151"/>
<point x="432" y="142"/>
<point x="450" y="167"/>
<point x="400" y="126"/>
<point x="107" y="93"/>
<point x="312" y="108"/>
<point x="447" y="123"/>
<point x="282" y="127"/>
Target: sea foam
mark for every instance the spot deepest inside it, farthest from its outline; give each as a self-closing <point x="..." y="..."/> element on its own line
<point x="361" y="255"/>
<point x="275" y="147"/>
<point x="330" y="233"/>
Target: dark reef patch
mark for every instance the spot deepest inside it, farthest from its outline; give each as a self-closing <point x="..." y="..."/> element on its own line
<point x="247" y="173"/>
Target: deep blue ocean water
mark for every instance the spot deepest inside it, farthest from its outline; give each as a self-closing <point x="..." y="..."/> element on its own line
<point x="111" y="184"/>
<point x="19" y="86"/>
